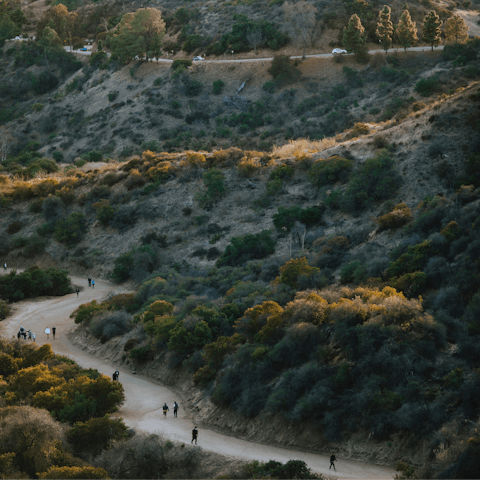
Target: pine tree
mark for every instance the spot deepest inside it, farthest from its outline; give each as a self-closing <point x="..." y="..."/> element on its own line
<point x="431" y="29"/>
<point x="406" y="31"/>
<point x="384" y="30"/>
<point x="354" y="36"/>
<point x="456" y="30"/>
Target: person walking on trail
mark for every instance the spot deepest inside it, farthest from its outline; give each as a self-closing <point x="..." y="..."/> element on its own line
<point x="34" y="337"/>
<point x="47" y="331"/>
<point x="5" y="268"/>
<point x="117" y="374"/>
<point x="89" y="282"/>
<point x="78" y="291"/>
<point x="93" y="283"/>
<point x="195" y="435"/>
<point x="53" y="332"/>
<point x="165" y="410"/>
<point x="175" y="409"/>
<point x="29" y="334"/>
<point x="332" y="462"/>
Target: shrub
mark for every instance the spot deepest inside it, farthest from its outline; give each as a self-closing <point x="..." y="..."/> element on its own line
<point x="177" y="64"/>
<point x="218" y="87"/>
<point x="331" y="170"/>
<point x="142" y="354"/>
<point x="269" y="87"/>
<point x="86" y="311"/>
<point x="353" y="272"/>
<point x="248" y="247"/>
<point x="285" y="218"/>
<point x="192" y="87"/>
<point x="213" y="180"/>
<point x="135" y="264"/>
<point x="294" y="269"/>
<point x="248" y="166"/>
<point x="57" y="156"/>
<point x="105" y="212"/>
<point x="14" y="227"/>
<point x="71" y="229"/>
<point x="112" y="96"/>
<point x="413" y="260"/>
<point x="111" y="324"/>
<point x="283" y="71"/>
<point x="427" y="86"/>
<point x="34" y="245"/>
<point x="400" y="215"/>
<point x="274" y="469"/>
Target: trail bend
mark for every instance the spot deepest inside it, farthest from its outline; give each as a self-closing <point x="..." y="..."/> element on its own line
<point x="145" y="397"/>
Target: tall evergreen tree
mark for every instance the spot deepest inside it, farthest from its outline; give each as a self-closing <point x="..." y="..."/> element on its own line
<point x="456" y="29"/>
<point x="431" y="29"/>
<point x="354" y="36"/>
<point x="406" y="31"/>
<point x="384" y="30"/>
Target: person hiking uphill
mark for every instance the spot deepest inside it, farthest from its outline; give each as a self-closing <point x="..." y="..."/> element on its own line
<point x="175" y="409"/>
<point x="332" y="462"/>
<point x="195" y="435"/>
<point x="165" y="410"/>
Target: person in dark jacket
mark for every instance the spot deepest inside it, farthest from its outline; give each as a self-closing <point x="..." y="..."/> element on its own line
<point x="165" y="410"/>
<point x="332" y="462"/>
<point x="195" y="435"/>
<point x="175" y="409"/>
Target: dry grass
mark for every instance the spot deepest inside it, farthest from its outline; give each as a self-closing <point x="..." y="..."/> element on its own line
<point x="300" y="149"/>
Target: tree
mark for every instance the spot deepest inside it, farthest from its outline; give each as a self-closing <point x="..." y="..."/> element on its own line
<point x="431" y="29"/>
<point x="354" y="36"/>
<point x="255" y="38"/>
<point x="406" y="31"/>
<point x="384" y="30"/>
<point x="456" y="31"/>
<point x="301" y="22"/>
<point x="58" y="18"/>
<point x="138" y="34"/>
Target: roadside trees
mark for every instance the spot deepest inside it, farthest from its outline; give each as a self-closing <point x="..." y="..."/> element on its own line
<point x="384" y="30"/>
<point x="354" y="36"/>
<point x="301" y="22"/>
<point x="431" y="29"/>
<point x="58" y="18"/>
<point x="138" y="34"/>
<point x="456" y="30"/>
<point x="406" y="31"/>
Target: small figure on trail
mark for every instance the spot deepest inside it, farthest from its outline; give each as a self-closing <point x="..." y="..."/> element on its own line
<point x="89" y="282"/>
<point x="78" y="291"/>
<point x="165" y="410"/>
<point x="175" y="409"/>
<point x="93" y="283"/>
<point x="34" y="337"/>
<point x="5" y="268"/>
<point x="47" y="331"/>
<point x="114" y="376"/>
<point x="117" y="374"/>
<point x="194" y="435"/>
<point x="53" y="332"/>
<point x="332" y="462"/>
<point x="29" y="334"/>
<point x="18" y="335"/>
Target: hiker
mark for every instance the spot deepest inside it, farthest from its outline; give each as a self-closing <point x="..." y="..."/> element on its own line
<point x="33" y="337"/>
<point x="165" y="410"/>
<point x="29" y="334"/>
<point x="114" y="376"/>
<point x="175" y="409"/>
<point x="78" y="291"/>
<point x="47" y="331"/>
<point x="89" y="282"/>
<point x="53" y="332"/>
<point x="18" y="335"/>
<point x="117" y="374"/>
<point x="5" y="267"/>
<point x="93" y="283"/>
<point x="332" y="462"/>
<point x="195" y="435"/>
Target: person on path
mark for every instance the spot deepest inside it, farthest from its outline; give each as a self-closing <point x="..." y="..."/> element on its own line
<point x="93" y="283"/>
<point x="117" y="374"/>
<point x="175" y="409"/>
<point x="78" y="291"/>
<point x="18" y="335"/>
<point x="33" y="337"/>
<point x="165" y="410"/>
<point x="89" y="282"/>
<point x="5" y="267"/>
<point x="53" y="332"/>
<point x="195" y="435"/>
<point x="29" y="334"/>
<point x="47" y="331"/>
<point x="332" y="462"/>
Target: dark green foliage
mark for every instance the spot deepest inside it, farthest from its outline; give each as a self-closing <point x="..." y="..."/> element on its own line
<point x="192" y="87"/>
<point x="218" y="87"/>
<point x="93" y="156"/>
<point x="57" y="156"/>
<point x="71" y="229"/>
<point x="178" y="64"/>
<point x="34" y="282"/>
<point x="274" y="469"/>
<point x="461" y="53"/>
<point x="193" y="42"/>
<point x="285" y="218"/>
<point x="427" y="86"/>
<point x="34" y="245"/>
<point x="44" y="82"/>
<point x="214" y="188"/>
<point x="282" y="172"/>
<point x="247" y="247"/>
<point x="331" y="170"/>
<point x="375" y="180"/>
<point x="412" y="261"/>
<point x="112" y="96"/>
<point x="44" y="165"/>
<point x="135" y="264"/>
<point x="269" y="87"/>
<point x="283" y="71"/>
<point x="141" y="354"/>
<point x="98" y="59"/>
<point x="111" y="324"/>
<point x="354" y="271"/>
<point x="352" y="77"/>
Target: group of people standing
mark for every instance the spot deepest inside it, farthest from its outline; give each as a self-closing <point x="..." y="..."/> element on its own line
<point x="26" y="334"/>
<point x="91" y="283"/>
<point x="175" y="413"/>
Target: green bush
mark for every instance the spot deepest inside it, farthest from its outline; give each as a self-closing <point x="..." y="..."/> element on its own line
<point x="331" y="170"/>
<point x="138" y="261"/>
<point x="461" y="53"/>
<point x="181" y="64"/>
<point x="413" y="260"/>
<point x="218" y="87"/>
<point x="34" y="246"/>
<point x="427" y="86"/>
<point x="142" y="354"/>
<point x="44" y="82"/>
<point x="34" y="282"/>
<point x="57" y="156"/>
<point x="283" y="71"/>
<point x="193" y="42"/>
<point x="247" y="247"/>
<point x="98" y="59"/>
<point x="4" y="312"/>
<point x="269" y="87"/>
<point x="273" y="469"/>
<point x="71" y="229"/>
<point x="44" y="165"/>
<point x="93" y="156"/>
<point x="105" y="212"/>
<point x="192" y="87"/>
<point x="286" y="217"/>
<point x="213" y="180"/>
<point x="112" y="96"/>
<point x="354" y="271"/>
<point x="282" y="172"/>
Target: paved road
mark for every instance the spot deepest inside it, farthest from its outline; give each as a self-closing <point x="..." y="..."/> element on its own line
<point x="145" y="397"/>
<point x="318" y="55"/>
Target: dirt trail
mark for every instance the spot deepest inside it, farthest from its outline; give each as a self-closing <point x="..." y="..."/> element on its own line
<point x="144" y="397"/>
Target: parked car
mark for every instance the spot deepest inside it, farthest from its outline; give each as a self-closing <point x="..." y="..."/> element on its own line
<point x="338" y="51"/>
<point x="84" y="49"/>
<point x="197" y="59"/>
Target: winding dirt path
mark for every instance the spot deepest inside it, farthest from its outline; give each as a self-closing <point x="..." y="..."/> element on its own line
<point x="144" y="397"/>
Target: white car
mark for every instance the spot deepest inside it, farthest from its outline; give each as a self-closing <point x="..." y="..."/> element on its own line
<point x="197" y="59"/>
<point x="338" y="51"/>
